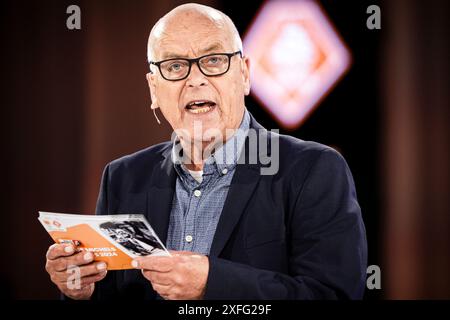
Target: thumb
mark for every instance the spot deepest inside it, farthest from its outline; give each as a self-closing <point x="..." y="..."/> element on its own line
<point x="181" y="253"/>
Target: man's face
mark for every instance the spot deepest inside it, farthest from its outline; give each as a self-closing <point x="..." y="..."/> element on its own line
<point x="192" y="36"/>
<point x="122" y="234"/>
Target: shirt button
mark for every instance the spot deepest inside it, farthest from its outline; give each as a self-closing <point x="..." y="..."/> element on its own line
<point x="225" y="171"/>
<point x="197" y="193"/>
<point x="188" y="238"/>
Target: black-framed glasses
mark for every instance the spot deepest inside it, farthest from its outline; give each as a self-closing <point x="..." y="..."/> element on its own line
<point x="211" y="65"/>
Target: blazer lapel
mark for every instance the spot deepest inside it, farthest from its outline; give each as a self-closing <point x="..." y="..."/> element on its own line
<point x="160" y="195"/>
<point x="245" y="180"/>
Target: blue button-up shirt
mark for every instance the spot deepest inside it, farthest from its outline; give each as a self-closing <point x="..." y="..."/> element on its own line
<point x="197" y="207"/>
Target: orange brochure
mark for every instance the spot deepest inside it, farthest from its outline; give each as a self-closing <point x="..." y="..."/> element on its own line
<point x="114" y="239"/>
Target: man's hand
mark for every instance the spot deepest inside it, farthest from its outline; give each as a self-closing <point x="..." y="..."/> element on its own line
<point x="74" y="273"/>
<point x="180" y="277"/>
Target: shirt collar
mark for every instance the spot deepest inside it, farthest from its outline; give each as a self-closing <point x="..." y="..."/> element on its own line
<point x="224" y="157"/>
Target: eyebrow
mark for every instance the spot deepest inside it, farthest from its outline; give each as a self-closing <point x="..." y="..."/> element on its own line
<point x="213" y="47"/>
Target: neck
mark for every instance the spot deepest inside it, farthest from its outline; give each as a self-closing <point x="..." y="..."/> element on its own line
<point x="196" y="153"/>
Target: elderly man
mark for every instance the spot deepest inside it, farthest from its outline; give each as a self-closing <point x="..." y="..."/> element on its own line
<point x="235" y="232"/>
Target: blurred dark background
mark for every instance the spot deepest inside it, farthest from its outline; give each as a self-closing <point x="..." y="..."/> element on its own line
<point x="74" y="100"/>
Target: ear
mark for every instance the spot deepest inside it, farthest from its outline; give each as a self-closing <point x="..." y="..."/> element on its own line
<point x="152" y="86"/>
<point x="246" y="74"/>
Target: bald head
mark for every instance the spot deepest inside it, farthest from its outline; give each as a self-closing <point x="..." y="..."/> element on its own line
<point x="180" y="19"/>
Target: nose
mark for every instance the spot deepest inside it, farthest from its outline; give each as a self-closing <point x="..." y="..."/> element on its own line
<point x="196" y="78"/>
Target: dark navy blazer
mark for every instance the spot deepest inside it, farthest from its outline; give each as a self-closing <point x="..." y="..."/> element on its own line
<point x="297" y="234"/>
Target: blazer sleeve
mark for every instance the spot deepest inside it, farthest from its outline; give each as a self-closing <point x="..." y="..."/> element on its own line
<point x="327" y="245"/>
<point x="102" y="200"/>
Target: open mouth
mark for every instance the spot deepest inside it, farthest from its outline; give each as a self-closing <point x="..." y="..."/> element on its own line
<point x="200" y="106"/>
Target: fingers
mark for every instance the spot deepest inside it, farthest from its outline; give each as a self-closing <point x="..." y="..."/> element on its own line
<point x="181" y="276"/>
<point x="180" y="253"/>
<point x="89" y="280"/>
<point x="152" y="263"/>
<point x="59" y="250"/>
<point x="157" y="277"/>
<point x="91" y="269"/>
<point x="163" y="290"/>
<point x="63" y="262"/>
<point x="76" y="272"/>
<point x="79" y="294"/>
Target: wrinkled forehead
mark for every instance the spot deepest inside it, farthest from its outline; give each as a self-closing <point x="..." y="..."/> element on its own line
<point x="192" y="35"/>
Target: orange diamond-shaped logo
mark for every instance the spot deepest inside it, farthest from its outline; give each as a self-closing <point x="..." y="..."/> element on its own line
<point x="296" y="58"/>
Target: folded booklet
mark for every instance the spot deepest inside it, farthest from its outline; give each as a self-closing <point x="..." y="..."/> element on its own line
<point x="114" y="239"/>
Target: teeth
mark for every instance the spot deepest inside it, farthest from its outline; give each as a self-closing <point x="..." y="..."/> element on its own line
<point x="200" y="106"/>
<point x="200" y="110"/>
<point x="198" y="102"/>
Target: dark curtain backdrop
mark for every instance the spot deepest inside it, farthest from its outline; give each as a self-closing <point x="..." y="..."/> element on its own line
<point x="71" y="102"/>
<point x="415" y="149"/>
<point x="74" y="100"/>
